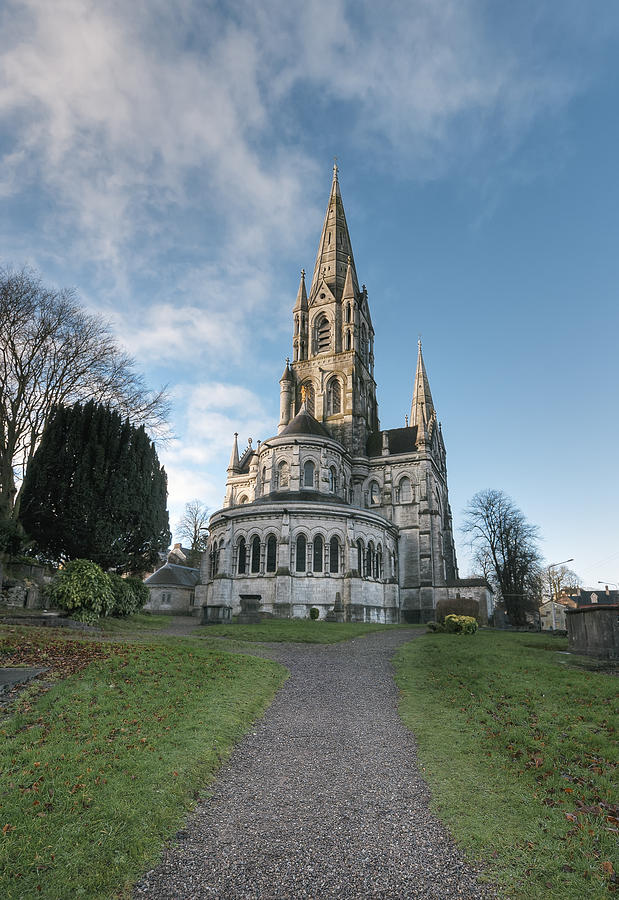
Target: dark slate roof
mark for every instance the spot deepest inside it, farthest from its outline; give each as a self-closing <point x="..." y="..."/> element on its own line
<point x="304" y="423"/>
<point x="293" y="496"/>
<point x="401" y="440"/>
<point x="584" y="598"/>
<point x="171" y="574"/>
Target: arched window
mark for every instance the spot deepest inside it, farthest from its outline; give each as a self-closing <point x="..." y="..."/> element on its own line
<point x="369" y="561"/>
<point x="348" y="340"/>
<point x="301" y="553"/>
<point x="334" y="397"/>
<point x="379" y="563"/>
<point x="308" y="473"/>
<point x="360" y="558"/>
<point x="242" y="499"/>
<point x="255" y="555"/>
<point x="282" y="475"/>
<point x="242" y="557"/>
<point x="271" y="553"/>
<point x="348" y="312"/>
<point x="406" y="490"/>
<point x="374" y="494"/>
<point x="334" y="555"/>
<point x="319" y="549"/>
<point x="310" y="397"/>
<point x="323" y="335"/>
<point x="333" y="480"/>
<point x="218" y="554"/>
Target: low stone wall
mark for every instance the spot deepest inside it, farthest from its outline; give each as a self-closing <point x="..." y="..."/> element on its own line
<point x="594" y="630"/>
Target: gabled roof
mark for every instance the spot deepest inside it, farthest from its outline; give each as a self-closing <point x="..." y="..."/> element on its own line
<point x="174" y="576"/>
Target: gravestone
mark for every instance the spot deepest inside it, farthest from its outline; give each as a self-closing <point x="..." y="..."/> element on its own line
<point x="250" y="609"/>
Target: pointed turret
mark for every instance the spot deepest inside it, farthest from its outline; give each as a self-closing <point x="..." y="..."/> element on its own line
<point x="423" y="413"/>
<point x="348" y="291"/>
<point x="334" y="248"/>
<point x="301" y="304"/>
<point x="233" y="465"/>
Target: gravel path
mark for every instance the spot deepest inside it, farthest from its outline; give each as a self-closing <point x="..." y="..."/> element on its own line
<point x="322" y="799"/>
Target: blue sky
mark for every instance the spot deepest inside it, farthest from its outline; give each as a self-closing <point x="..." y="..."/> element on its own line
<point x="171" y="160"/>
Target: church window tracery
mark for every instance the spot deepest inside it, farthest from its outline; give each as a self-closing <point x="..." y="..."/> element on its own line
<point x="334" y="555"/>
<point x="333" y="480"/>
<point x="242" y="499"/>
<point x="255" y="555"/>
<point x="318" y="553"/>
<point x="301" y="553"/>
<point x="271" y="553"/>
<point x="282" y="475"/>
<point x="323" y="335"/>
<point x="308" y="473"/>
<point x="334" y="397"/>
<point x="374" y="494"/>
<point x="242" y="553"/>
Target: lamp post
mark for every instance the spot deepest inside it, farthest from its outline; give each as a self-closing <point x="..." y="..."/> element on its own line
<point x="552" y="603"/>
<point x="606" y="583"/>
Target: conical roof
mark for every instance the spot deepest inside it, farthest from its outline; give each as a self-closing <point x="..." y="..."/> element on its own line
<point x="334" y="248"/>
<point x="304" y="423"/>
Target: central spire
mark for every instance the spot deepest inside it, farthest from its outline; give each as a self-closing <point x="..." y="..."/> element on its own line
<point x="334" y="248"/>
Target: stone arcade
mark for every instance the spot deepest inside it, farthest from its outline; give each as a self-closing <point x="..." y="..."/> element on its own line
<point x="332" y="511"/>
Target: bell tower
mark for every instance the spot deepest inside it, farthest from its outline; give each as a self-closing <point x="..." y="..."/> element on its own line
<point x="334" y="339"/>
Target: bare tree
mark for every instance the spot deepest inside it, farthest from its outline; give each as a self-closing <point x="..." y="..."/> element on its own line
<point x="505" y="547"/>
<point x="558" y="580"/>
<point x="193" y="527"/>
<point x="54" y="353"/>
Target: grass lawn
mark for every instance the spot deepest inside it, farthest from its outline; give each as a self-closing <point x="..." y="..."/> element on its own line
<point x="303" y="631"/>
<point x="100" y="768"/>
<point x="140" y="622"/>
<point x="519" y="750"/>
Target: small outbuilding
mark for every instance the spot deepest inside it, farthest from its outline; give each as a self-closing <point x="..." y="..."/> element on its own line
<point x="172" y="589"/>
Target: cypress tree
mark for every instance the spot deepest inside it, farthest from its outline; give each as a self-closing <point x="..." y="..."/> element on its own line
<point x="95" y="490"/>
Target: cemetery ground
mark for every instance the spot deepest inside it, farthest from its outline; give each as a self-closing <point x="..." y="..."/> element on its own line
<point x="103" y="755"/>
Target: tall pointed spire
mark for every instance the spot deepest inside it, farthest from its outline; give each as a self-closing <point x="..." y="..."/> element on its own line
<point x="301" y="303"/>
<point x="422" y="407"/>
<point x="233" y="465"/>
<point x="348" y="290"/>
<point x="334" y="247"/>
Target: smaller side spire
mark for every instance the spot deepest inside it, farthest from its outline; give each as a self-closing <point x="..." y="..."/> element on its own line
<point x="348" y="292"/>
<point x="423" y="413"/>
<point x="233" y="465"/>
<point x="301" y="304"/>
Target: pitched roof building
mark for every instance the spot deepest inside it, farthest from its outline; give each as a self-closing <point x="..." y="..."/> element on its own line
<point x="332" y="511"/>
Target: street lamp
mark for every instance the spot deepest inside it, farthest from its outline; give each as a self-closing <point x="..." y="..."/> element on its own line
<point x="606" y="583"/>
<point x="552" y="603"/>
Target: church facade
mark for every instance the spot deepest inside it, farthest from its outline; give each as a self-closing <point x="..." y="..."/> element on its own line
<point x="332" y="512"/>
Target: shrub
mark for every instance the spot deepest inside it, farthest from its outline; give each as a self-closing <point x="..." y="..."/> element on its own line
<point x="314" y="612"/>
<point x="436" y="626"/>
<point x="130" y="595"/>
<point x="460" y="624"/>
<point x="84" y="589"/>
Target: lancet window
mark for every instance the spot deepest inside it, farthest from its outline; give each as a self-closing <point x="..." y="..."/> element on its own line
<point x="334" y="397"/>
<point x="319" y="549"/>
<point x="271" y="553"/>
<point x="308" y="474"/>
<point x="255" y="555"/>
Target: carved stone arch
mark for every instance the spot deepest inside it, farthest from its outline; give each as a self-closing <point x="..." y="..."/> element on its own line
<point x="405" y="492"/>
<point x="334" y="395"/>
<point x="282" y="475"/>
<point x="322" y="332"/>
<point x="300" y="551"/>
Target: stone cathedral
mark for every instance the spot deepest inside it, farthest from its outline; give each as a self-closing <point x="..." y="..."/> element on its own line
<point x="333" y="512"/>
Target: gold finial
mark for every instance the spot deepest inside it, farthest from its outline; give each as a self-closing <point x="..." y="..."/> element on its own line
<point x="303" y="393"/>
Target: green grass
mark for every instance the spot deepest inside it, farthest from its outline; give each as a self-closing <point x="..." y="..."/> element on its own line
<point x="304" y="631"/>
<point x="140" y="622"/>
<point x="98" y="771"/>
<point x="519" y="751"/>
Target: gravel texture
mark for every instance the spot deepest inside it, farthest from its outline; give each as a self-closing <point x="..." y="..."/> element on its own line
<point x="323" y="798"/>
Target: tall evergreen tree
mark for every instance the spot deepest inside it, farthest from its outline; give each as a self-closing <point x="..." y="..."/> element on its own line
<point x="95" y="490"/>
